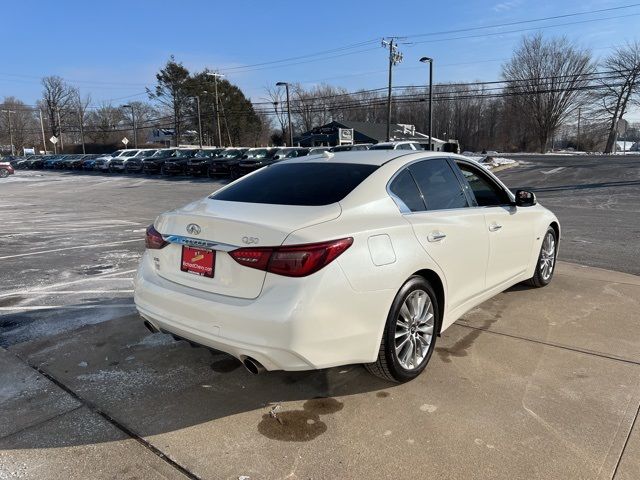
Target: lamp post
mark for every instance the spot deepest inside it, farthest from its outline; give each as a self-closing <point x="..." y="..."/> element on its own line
<point x="215" y="76"/>
<point x="60" y="131"/>
<point x="430" y="120"/>
<point x="9" y="112"/>
<point x="81" y="119"/>
<point x="286" y="85"/>
<point x="133" y="118"/>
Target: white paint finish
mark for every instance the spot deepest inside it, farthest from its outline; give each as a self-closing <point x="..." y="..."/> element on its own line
<point x="335" y="316"/>
<point x="381" y="249"/>
<point x="90" y="245"/>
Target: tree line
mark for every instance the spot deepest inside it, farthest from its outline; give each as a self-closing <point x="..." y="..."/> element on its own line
<point x="552" y="93"/>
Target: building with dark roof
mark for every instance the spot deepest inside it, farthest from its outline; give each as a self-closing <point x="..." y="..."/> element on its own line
<point x="364" y="132"/>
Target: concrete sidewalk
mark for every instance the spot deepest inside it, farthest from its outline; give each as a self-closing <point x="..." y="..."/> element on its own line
<point x="535" y="383"/>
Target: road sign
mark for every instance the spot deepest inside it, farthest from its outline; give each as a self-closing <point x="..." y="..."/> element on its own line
<point x="54" y="139"/>
<point x="345" y="136"/>
<point x="125" y="140"/>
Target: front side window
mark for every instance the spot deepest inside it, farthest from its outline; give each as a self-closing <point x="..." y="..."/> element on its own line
<point x="487" y="192"/>
<point x="439" y="184"/>
<point x="404" y="189"/>
<point x="305" y="184"/>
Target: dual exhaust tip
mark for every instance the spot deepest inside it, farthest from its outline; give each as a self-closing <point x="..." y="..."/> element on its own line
<point x="252" y="365"/>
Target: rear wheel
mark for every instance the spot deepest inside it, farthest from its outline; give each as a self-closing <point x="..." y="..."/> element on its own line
<point x="4" y="173"/>
<point x="409" y="335"/>
<point x="546" y="260"/>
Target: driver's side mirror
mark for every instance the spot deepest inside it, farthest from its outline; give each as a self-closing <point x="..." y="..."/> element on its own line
<point x="524" y="198"/>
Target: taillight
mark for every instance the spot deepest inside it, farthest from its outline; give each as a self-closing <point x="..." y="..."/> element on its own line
<point x="153" y="239"/>
<point x="292" y="260"/>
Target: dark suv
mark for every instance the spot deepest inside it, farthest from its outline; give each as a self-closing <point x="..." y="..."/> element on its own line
<point x="177" y="164"/>
<point x="154" y="163"/>
<point x="254" y="159"/>
<point x="199" y="163"/>
<point x="223" y="165"/>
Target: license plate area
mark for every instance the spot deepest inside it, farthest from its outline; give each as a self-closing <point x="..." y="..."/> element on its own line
<point x="198" y="261"/>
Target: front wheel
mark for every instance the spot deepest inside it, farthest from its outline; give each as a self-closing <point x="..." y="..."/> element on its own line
<point x="546" y="260"/>
<point x="4" y="173"/>
<point x="409" y="336"/>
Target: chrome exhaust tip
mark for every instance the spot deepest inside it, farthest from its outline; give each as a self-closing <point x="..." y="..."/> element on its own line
<point x="150" y="327"/>
<point x="253" y="366"/>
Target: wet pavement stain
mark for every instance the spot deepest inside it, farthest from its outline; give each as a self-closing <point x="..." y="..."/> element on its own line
<point x="299" y="425"/>
<point x="95" y="270"/>
<point x="382" y="394"/>
<point x="226" y="365"/>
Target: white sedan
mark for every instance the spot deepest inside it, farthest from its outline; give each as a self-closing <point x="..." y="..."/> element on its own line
<point x="354" y="257"/>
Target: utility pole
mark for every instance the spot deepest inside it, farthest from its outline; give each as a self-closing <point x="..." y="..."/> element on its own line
<point x="133" y="118"/>
<point x="9" y="112"/>
<point x="286" y="85"/>
<point x="395" y="57"/>
<point x="430" y="119"/>
<point x="215" y="76"/>
<point x="44" y="140"/>
<point x="81" y="119"/>
<point x="578" y="139"/>
<point x="60" y="131"/>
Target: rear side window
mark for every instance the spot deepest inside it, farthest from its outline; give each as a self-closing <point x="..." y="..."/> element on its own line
<point x="439" y="185"/>
<point x="307" y="184"/>
<point x="405" y="190"/>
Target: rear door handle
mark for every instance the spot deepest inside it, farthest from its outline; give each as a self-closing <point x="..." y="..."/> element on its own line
<point x="494" y="227"/>
<point x="436" y="236"/>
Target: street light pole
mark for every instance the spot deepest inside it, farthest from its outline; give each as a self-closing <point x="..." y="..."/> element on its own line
<point x="60" y="131"/>
<point x="578" y="139"/>
<point x="215" y="76"/>
<point x="430" y="119"/>
<point x="197" y="97"/>
<point x="9" y="112"/>
<point x="286" y="85"/>
<point x="133" y="118"/>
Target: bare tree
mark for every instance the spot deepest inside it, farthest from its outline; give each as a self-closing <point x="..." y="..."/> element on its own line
<point x="102" y="124"/>
<point x="57" y="101"/>
<point x="21" y="130"/>
<point x="551" y="76"/>
<point x="620" y="85"/>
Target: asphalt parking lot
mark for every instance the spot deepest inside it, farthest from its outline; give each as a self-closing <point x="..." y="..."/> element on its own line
<point x="531" y="384"/>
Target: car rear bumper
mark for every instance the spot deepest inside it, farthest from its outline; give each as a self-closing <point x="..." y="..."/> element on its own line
<point x="294" y="324"/>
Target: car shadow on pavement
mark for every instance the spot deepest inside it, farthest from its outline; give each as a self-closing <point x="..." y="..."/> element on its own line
<point x="152" y="384"/>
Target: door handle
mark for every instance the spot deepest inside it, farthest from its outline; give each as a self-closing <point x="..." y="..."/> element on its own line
<point x="494" y="227"/>
<point x="436" y="236"/>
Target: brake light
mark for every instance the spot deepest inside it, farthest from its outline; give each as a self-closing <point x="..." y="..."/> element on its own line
<point x="153" y="239"/>
<point x="292" y="260"/>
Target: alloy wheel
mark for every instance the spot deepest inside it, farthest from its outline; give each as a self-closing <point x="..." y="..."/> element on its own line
<point x="414" y="329"/>
<point x="547" y="256"/>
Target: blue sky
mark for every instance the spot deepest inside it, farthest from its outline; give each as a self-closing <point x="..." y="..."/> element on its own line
<point x="112" y="49"/>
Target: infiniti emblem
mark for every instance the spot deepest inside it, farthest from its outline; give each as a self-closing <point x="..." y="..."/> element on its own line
<point x="193" y="229"/>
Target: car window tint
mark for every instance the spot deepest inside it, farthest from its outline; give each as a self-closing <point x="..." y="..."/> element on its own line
<point x="404" y="189"/>
<point x="439" y="185"/>
<point x="487" y="192"/>
<point x="305" y="184"/>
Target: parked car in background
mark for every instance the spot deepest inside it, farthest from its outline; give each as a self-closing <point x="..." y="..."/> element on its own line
<point x="351" y="148"/>
<point x="38" y="162"/>
<point x="88" y="163"/>
<point x="117" y="164"/>
<point x="318" y="150"/>
<point x="396" y="146"/>
<point x="199" y="163"/>
<point x="178" y="163"/>
<point x="135" y="164"/>
<point x="154" y="163"/>
<point x="6" y="169"/>
<point x="73" y="161"/>
<point x="102" y="162"/>
<point x="222" y="165"/>
<point x="54" y="162"/>
<point x="253" y="159"/>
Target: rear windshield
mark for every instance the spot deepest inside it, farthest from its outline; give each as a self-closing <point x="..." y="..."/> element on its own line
<point x="307" y="184"/>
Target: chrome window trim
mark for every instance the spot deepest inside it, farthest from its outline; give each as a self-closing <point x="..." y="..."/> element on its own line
<point x="199" y="243"/>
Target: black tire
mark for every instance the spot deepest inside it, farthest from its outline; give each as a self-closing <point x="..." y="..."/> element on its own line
<point x="539" y="279"/>
<point x="388" y="366"/>
<point x="4" y="173"/>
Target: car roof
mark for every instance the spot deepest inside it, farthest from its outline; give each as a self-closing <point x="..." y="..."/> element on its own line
<point x="370" y="157"/>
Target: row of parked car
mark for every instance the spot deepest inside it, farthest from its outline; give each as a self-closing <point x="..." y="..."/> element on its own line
<point x="213" y="162"/>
